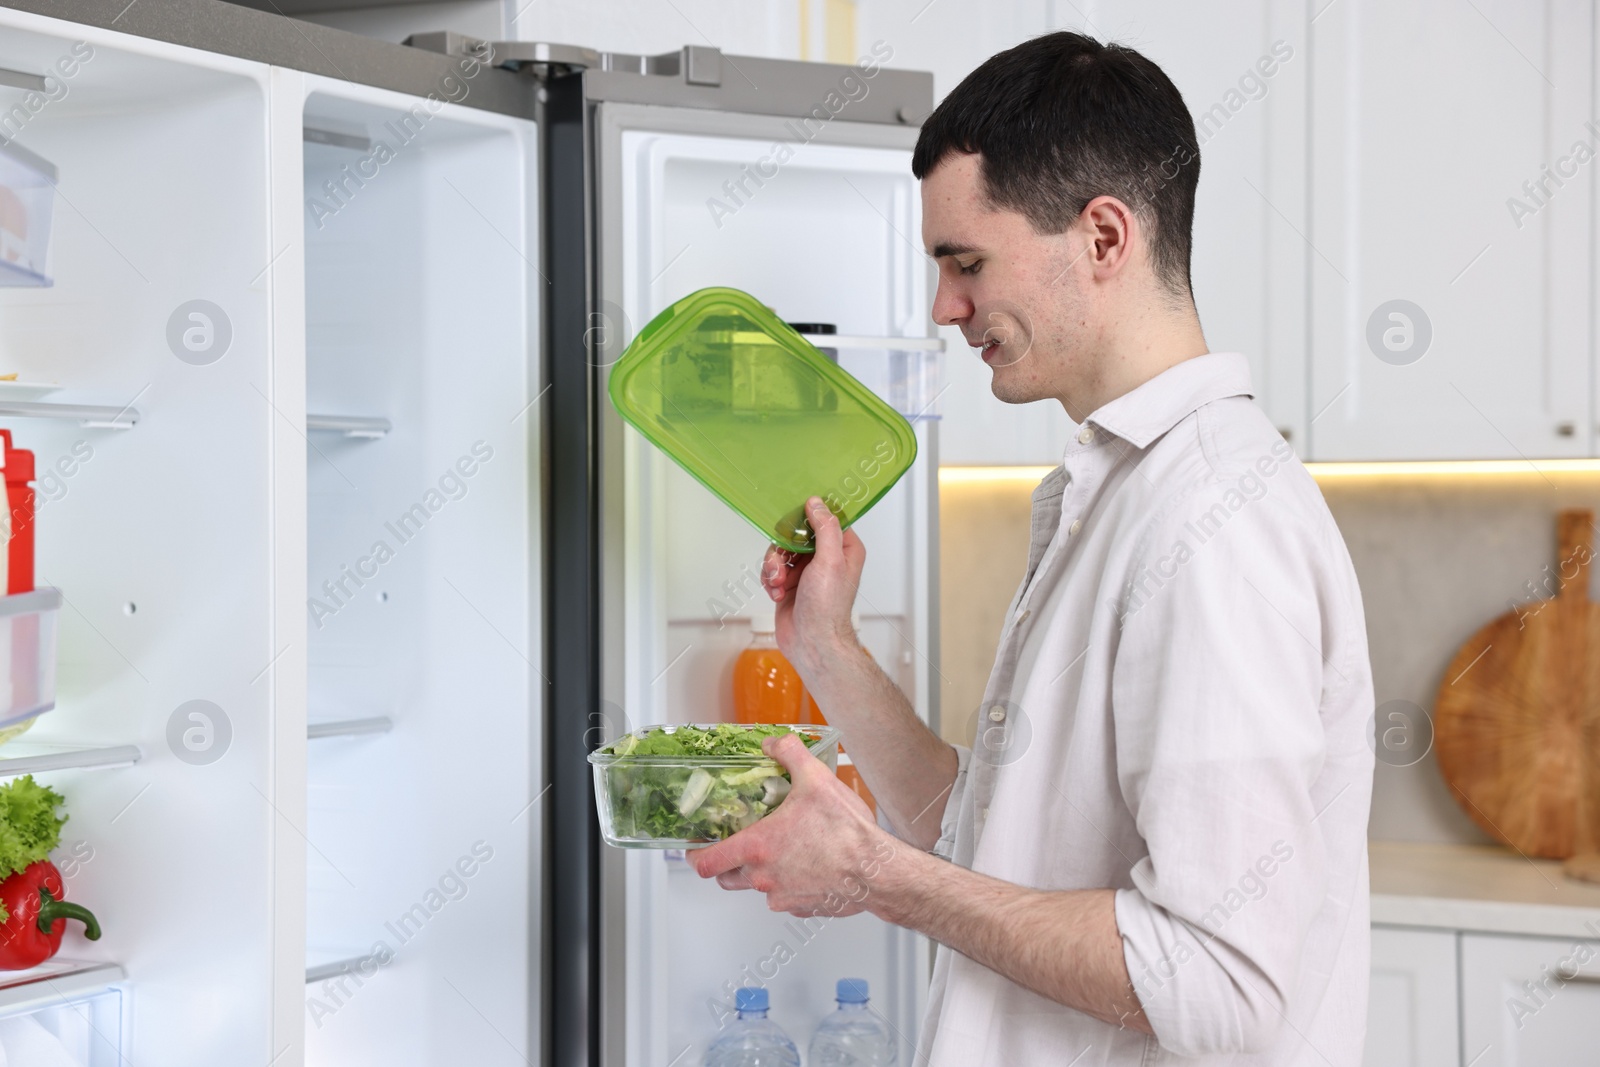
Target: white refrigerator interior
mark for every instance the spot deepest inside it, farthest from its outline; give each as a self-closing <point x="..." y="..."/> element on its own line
<point x="829" y="238"/>
<point x="159" y="536"/>
<point x="422" y="874"/>
<point x="290" y="471"/>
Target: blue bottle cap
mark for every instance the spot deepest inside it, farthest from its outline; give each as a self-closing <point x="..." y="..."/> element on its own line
<point x="748" y="999"/>
<point x="851" y="991"/>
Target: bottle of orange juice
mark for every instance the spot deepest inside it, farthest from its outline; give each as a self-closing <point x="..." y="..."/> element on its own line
<point x="847" y="769"/>
<point x="766" y="687"/>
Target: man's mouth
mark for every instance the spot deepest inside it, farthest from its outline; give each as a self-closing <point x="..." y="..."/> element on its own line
<point x="987" y="349"/>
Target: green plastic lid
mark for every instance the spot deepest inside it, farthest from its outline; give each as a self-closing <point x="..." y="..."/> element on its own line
<point x="758" y="415"/>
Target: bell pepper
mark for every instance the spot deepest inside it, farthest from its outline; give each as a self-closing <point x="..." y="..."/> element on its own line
<point x="37" y="916"/>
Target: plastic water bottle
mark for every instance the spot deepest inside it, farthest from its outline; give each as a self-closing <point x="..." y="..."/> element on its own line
<point x="752" y="1040"/>
<point x="852" y="1036"/>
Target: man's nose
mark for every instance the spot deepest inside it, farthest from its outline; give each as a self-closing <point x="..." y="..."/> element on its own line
<point x="950" y="308"/>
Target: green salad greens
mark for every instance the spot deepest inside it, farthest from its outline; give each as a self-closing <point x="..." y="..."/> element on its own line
<point x="686" y="803"/>
<point x="29" y="826"/>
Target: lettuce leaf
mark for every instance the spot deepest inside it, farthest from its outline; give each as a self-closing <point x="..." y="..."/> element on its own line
<point x="29" y="826"/>
<point x="670" y="803"/>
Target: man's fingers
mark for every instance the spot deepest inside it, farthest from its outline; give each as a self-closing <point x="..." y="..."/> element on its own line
<point x="825" y="531"/>
<point x="855" y="550"/>
<point x="796" y="758"/>
<point x="780" y="572"/>
<point x="719" y="859"/>
<point x="734" y="879"/>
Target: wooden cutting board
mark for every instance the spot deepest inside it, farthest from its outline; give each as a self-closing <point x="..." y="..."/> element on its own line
<point x="1517" y="719"/>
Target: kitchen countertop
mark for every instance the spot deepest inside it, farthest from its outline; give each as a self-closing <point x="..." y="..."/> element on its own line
<point x="1478" y="887"/>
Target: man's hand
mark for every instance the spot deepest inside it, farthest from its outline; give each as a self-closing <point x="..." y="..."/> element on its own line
<point x="820" y="853"/>
<point x="814" y="593"/>
<point x="815" y="855"/>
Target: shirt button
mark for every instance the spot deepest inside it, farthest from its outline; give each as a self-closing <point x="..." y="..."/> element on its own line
<point x="1023" y="616"/>
<point x="997" y="714"/>
<point x="1077" y="524"/>
<point x="1086" y="435"/>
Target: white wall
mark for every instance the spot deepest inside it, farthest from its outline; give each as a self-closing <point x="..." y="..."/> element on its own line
<point x="764" y="28"/>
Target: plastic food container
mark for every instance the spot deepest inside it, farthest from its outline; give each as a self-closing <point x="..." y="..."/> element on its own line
<point x="27" y="658"/>
<point x="27" y="198"/>
<point x="758" y="415"/>
<point x="691" y="801"/>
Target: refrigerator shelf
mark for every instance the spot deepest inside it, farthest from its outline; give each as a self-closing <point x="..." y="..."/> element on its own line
<point x="12" y="275"/>
<point x="322" y="964"/>
<point x="54" y="981"/>
<point x="95" y="416"/>
<point x="20" y="757"/>
<point x="891" y="344"/>
<point x="369" y="427"/>
<point x="377" y="724"/>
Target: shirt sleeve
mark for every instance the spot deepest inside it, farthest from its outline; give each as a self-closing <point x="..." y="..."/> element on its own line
<point x="946" y="846"/>
<point x="1218" y="680"/>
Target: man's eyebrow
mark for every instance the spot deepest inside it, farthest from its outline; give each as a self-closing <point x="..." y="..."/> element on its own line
<point x="948" y="248"/>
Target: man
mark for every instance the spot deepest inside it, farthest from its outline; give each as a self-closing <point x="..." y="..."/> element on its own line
<point x="1156" y="848"/>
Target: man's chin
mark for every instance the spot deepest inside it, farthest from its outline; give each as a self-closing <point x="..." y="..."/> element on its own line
<point x="1014" y="392"/>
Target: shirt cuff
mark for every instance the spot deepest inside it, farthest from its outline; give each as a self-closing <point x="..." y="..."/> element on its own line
<point x="1192" y="1007"/>
<point x="946" y="846"/>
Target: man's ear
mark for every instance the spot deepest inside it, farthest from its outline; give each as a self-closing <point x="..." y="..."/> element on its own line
<point x="1111" y="229"/>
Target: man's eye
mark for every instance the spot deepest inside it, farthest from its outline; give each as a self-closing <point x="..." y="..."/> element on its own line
<point x="971" y="268"/>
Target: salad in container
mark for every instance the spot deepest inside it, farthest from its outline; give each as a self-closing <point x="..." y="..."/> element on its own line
<point x="691" y="786"/>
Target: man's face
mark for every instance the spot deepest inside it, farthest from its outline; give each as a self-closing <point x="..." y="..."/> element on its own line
<point x="1013" y="293"/>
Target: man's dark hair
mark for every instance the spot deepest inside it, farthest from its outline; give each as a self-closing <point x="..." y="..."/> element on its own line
<point x="1062" y="119"/>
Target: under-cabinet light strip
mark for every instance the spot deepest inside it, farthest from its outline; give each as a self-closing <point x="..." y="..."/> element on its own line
<point x="1393" y="469"/>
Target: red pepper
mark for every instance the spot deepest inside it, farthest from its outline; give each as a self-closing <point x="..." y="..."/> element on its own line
<point x="38" y="916"/>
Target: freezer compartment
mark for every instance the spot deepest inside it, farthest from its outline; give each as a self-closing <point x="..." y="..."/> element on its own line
<point x="27" y="658"/>
<point x="27" y="198"/>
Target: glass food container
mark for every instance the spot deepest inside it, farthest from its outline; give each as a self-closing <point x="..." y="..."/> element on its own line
<point x="690" y="801"/>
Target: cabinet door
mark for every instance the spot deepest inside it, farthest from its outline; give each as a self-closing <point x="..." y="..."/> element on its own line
<point x="1529" y="1000"/>
<point x="1451" y="180"/>
<point x="1243" y="67"/>
<point x="1411" y="1014"/>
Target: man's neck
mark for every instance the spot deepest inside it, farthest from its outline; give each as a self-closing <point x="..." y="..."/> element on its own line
<point x="1133" y="348"/>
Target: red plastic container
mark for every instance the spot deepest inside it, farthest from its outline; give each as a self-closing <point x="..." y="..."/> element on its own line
<point x="20" y="503"/>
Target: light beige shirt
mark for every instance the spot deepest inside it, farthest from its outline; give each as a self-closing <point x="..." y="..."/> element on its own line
<point x="1180" y="709"/>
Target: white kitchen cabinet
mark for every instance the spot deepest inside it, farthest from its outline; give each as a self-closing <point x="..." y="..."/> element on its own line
<point x="1411" y="1017"/>
<point x="1243" y="68"/>
<point x="1451" y="296"/>
<point x="1527" y="1001"/>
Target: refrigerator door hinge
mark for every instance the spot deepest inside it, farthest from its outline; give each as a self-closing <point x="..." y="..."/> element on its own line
<point x="450" y="43"/>
<point x="694" y="64"/>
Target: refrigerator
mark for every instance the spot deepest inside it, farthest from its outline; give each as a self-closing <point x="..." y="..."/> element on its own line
<point x="356" y="562"/>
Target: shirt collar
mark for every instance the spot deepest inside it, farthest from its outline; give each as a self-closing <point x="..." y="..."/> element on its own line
<point x="1143" y="414"/>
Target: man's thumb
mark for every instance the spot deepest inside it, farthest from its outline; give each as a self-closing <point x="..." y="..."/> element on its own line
<point x="791" y="752"/>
